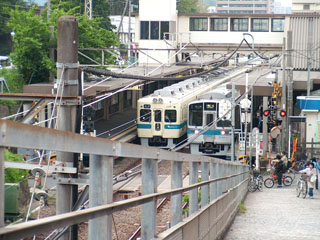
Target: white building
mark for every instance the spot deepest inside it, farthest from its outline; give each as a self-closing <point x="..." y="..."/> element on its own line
<point x="245" y="7"/>
<point x="305" y="6"/>
<point x="124" y="30"/>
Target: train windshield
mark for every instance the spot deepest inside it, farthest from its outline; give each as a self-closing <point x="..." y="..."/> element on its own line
<point x="157" y="115"/>
<point x="224" y="123"/>
<point x="170" y="116"/>
<point x="145" y="115"/>
<point x="196" y="114"/>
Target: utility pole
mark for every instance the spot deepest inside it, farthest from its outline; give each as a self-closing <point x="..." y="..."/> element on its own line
<point x="290" y="85"/>
<point x="309" y="61"/>
<point x="233" y="113"/>
<point x="67" y="74"/>
<point x="284" y="98"/>
<point x="129" y="30"/>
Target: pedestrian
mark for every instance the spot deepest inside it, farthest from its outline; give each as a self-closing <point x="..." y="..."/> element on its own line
<point x="311" y="172"/>
<point x="279" y="169"/>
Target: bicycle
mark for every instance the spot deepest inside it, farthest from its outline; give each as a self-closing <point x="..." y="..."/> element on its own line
<point x="255" y="182"/>
<point x="302" y="186"/>
<point x="270" y="181"/>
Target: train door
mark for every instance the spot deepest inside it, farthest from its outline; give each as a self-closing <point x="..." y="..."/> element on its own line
<point x="158" y="126"/>
<point x="209" y="118"/>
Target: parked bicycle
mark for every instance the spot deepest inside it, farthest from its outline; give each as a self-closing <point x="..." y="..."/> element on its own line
<point x="255" y="182"/>
<point x="302" y="186"/>
<point x="270" y="181"/>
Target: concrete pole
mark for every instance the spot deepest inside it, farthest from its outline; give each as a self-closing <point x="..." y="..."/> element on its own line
<point x="193" y="200"/>
<point x="213" y="186"/>
<point x="233" y="115"/>
<point x="309" y="61"/>
<point x="101" y="193"/>
<point x="176" y="200"/>
<point x="219" y="168"/>
<point x="149" y="210"/>
<point x="265" y="127"/>
<point x="2" y="187"/>
<point x="284" y="98"/>
<point x="204" y="189"/>
<point x="129" y="30"/>
<point x="68" y="73"/>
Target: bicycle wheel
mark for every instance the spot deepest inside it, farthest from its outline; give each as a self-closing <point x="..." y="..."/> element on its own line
<point x="268" y="183"/>
<point x="260" y="183"/>
<point x="287" y="180"/>
<point x="251" y="185"/>
<point x="298" y="188"/>
<point x="304" y="189"/>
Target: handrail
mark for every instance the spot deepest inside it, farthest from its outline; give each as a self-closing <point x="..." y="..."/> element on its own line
<point x="67" y="219"/>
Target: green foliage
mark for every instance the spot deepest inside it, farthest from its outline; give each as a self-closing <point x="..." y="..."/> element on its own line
<point x="31" y="44"/>
<point x="188" y="6"/>
<point x="12" y="175"/>
<point x="32" y="40"/>
<point x="14" y="80"/>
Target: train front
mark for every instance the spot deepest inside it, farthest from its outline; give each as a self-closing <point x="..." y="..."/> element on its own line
<point x="203" y="115"/>
<point x="159" y="122"/>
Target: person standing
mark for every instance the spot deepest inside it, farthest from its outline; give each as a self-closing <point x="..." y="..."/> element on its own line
<point x="284" y="159"/>
<point x="311" y="172"/>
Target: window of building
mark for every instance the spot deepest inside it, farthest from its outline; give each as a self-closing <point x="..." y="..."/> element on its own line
<point x="260" y="25"/>
<point x="219" y="24"/>
<point x="277" y="25"/>
<point x="144" y="30"/>
<point x="239" y="24"/>
<point x="164" y="29"/>
<point x="198" y="24"/>
<point x="306" y="6"/>
<point x="154" y="30"/>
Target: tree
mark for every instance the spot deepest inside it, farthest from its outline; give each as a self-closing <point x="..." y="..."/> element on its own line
<point x="32" y="39"/>
<point x="188" y="6"/>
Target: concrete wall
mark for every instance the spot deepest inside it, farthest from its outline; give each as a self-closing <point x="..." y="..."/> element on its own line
<point x="155" y="10"/>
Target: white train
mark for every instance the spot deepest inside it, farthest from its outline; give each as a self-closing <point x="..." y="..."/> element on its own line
<point x="162" y="116"/>
<point x="203" y="113"/>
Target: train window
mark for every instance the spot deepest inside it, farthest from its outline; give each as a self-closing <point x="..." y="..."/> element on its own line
<point x="157" y="115"/>
<point x="224" y="123"/>
<point x="145" y="115"/>
<point x="195" y="114"/>
<point x="209" y="119"/>
<point x="170" y="116"/>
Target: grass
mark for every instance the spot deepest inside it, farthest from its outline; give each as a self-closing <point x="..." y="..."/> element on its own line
<point x="242" y="208"/>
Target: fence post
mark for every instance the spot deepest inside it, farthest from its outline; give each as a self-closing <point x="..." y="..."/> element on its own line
<point x="213" y="185"/>
<point x="101" y="193"/>
<point x="205" y="188"/>
<point x="193" y="200"/>
<point x="176" y="199"/>
<point x="1" y="187"/>
<point x="149" y="210"/>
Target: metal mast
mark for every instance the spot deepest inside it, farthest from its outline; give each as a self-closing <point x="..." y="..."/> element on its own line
<point x="88" y="8"/>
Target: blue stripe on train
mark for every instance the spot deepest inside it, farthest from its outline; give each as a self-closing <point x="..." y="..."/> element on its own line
<point x="210" y="132"/>
<point x="175" y="126"/>
<point x="144" y="126"/>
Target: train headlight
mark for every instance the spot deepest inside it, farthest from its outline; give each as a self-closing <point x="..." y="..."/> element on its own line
<point x="154" y="100"/>
<point x="223" y="132"/>
<point x="160" y="100"/>
<point x="196" y="131"/>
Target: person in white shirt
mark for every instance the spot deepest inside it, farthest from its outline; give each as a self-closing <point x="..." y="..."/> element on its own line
<point x="311" y="172"/>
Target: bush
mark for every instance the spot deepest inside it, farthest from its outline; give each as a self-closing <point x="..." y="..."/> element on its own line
<point x="14" y="80"/>
<point x="12" y="175"/>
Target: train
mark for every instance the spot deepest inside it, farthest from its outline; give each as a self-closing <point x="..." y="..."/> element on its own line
<point x="212" y="111"/>
<point x="162" y="115"/>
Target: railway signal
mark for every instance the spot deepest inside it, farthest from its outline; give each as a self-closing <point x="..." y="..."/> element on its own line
<point x="283" y="113"/>
<point x="266" y="113"/>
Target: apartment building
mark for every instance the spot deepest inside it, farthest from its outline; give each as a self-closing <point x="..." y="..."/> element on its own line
<point x="245" y="6"/>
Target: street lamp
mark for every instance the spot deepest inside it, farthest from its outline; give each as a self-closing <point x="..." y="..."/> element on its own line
<point x="12" y="37"/>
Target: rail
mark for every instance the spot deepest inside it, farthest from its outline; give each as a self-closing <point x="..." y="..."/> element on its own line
<point x="226" y="179"/>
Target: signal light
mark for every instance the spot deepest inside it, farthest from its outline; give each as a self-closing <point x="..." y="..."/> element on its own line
<point x="283" y="113"/>
<point x="266" y="113"/>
